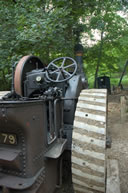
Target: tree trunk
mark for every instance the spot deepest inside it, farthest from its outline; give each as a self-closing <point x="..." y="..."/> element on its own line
<point x="99" y="59"/>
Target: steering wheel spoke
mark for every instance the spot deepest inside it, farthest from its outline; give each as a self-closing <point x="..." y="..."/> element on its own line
<point x="61" y="69"/>
<point x="62" y="65"/>
<point x="52" y="64"/>
<point x="58" y="76"/>
<point x="52" y="72"/>
<point x="69" y="66"/>
<point x="67" y="73"/>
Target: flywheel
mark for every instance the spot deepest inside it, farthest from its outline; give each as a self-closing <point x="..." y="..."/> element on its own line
<point x="89" y="142"/>
<point x="25" y="65"/>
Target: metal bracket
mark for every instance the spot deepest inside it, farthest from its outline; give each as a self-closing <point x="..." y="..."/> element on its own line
<point x="57" y="149"/>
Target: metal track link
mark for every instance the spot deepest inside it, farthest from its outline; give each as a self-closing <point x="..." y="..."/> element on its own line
<point x="89" y="142"/>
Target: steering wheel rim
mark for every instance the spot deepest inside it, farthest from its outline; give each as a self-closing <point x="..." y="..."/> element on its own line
<point x="61" y="72"/>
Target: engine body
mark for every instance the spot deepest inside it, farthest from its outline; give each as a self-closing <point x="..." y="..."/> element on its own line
<point x="35" y="130"/>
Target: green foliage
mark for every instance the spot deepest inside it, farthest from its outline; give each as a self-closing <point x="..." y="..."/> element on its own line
<point x="113" y="81"/>
<point x="109" y="54"/>
<point x="51" y="28"/>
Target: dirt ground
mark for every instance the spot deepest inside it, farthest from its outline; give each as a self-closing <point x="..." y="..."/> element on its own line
<point x="118" y="132"/>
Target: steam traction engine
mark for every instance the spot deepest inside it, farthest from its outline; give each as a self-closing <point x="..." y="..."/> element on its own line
<point x="36" y="126"/>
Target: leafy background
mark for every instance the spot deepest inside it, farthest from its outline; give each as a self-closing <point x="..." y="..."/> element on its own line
<point x="51" y="28"/>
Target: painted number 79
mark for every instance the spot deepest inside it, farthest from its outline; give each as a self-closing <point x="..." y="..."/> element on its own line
<point x="9" y="138"/>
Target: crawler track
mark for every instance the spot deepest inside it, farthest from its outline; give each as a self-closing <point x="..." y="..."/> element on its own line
<point x="89" y="142"/>
<point x="2" y="93"/>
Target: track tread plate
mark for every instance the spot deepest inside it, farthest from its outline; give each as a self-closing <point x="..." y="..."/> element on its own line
<point x="89" y="142"/>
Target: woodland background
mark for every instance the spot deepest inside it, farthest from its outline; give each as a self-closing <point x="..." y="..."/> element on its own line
<point x="51" y="28"/>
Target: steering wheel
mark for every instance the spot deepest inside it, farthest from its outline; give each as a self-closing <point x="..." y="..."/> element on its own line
<point x="61" y="69"/>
